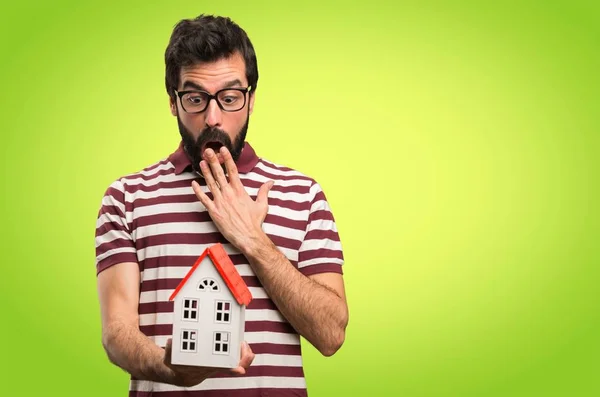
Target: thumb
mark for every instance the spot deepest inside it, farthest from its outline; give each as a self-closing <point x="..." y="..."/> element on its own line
<point x="167" y="357"/>
<point x="262" y="195"/>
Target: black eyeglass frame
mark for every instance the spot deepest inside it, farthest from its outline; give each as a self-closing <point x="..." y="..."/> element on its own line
<point x="210" y="97"/>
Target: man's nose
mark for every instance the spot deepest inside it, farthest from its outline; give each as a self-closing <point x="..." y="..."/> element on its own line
<point x="213" y="114"/>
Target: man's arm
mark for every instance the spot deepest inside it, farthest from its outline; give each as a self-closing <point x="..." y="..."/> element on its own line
<point x="316" y="306"/>
<point x="128" y="348"/>
<point x="125" y="345"/>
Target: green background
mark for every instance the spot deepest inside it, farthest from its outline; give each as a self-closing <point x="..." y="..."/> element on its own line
<point x="457" y="143"/>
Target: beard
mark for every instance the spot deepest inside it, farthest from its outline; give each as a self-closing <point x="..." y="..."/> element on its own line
<point x="215" y="138"/>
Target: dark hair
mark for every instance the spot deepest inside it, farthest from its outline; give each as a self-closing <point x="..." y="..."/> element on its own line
<point x="207" y="38"/>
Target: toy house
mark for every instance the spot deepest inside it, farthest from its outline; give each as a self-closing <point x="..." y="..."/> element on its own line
<point x="209" y="310"/>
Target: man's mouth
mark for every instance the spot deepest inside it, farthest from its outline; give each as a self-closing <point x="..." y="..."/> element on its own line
<point x="214" y="145"/>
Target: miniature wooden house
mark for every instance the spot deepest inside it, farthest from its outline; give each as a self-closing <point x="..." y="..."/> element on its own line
<point x="209" y="310"/>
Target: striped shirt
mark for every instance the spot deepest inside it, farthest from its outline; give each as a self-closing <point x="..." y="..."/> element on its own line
<point x="153" y="218"/>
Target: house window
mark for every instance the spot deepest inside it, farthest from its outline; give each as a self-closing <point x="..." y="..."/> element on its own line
<point x="188" y="340"/>
<point x="222" y="312"/>
<point x="190" y="309"/>
<point x="221" y="343"/>
<point x="208" y="284"/>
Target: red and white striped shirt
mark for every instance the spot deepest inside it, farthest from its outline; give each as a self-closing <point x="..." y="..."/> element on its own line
<point x="154" y="218"/>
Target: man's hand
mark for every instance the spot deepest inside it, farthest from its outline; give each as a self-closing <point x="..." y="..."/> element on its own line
<point x="236" y="215"/>
<point x="187" y="376"/>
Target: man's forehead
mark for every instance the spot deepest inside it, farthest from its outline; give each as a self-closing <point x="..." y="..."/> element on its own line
<point x="191" y="84"/>
<point x="221" y="71"/>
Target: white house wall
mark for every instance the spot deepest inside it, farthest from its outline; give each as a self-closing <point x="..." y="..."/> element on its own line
<point x="206" y="325"/>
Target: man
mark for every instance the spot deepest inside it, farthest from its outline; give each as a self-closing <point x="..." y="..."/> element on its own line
<point x="274" y="222"/>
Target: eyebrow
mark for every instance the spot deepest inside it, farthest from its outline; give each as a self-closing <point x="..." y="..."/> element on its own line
<point x="196" y="86"/>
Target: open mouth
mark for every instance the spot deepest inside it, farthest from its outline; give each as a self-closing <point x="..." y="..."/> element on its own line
<point x="214" y="145"/>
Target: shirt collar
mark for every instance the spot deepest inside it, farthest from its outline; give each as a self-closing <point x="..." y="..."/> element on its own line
<point x="246" y="163"/>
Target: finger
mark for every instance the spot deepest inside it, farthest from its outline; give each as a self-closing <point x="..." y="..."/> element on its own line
<point x="232" y="171"/>
<point x="204" y="199"/>
<point x="215" y="166"/>
<point x="247" y="355"/>
<point x="263" y="192"/>
<point x="238" y="371"/>
<point x="167" y="358"/>
<point x="210" y="180"/>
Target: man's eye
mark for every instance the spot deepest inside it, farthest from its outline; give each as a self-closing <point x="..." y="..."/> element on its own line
<point x="195" y="100"/>
<point x="229" y="99"/>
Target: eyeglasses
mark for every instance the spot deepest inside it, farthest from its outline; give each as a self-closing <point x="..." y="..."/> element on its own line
<point x="228" y="99"/>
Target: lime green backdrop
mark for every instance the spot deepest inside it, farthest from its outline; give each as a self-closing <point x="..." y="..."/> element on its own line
<point x="457" y="143"/>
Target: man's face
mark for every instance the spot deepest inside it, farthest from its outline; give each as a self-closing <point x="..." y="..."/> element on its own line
<point x="213" y="127"/>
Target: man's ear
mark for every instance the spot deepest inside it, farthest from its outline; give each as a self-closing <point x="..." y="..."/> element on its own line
<point x="173" y="106"/>
<point x="251" y="104"/>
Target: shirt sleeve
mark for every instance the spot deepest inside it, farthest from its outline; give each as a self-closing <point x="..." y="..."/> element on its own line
<point x="321" y="249"/>
<point x="114" y="243"/>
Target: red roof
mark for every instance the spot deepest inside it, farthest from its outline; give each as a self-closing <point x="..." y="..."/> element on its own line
<point x="226" y="269"/>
